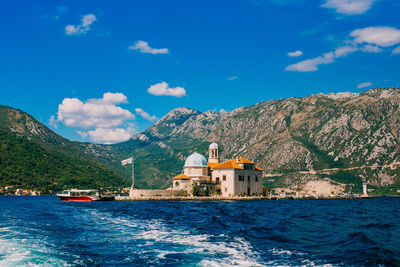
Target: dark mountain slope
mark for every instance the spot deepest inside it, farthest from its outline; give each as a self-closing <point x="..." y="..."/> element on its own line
<point x="33" y="156"/>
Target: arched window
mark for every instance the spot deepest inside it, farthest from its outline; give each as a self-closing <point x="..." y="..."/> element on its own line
<point x="177" y="184"/>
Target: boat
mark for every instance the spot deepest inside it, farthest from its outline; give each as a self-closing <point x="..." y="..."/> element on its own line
<point x="80" y="195"/>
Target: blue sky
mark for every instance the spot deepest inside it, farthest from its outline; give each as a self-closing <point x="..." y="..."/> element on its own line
<point x="102" y="70"/>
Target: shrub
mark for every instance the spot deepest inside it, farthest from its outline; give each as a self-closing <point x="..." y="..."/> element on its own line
<point x="196" y="191"/>
<point x="218" y="191"/>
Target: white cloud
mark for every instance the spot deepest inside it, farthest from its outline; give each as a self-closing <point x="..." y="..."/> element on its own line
<point x="349" y="7"/>
<point x="101" y="119"/>
<point x="97" y="113"/>
<point x="368" y="40"/>
<point x="371" y="49"/>
<point x="145" y="115"/>
<point x="82" y="133"/>
<point x="381" y="36"/>
<point x="144" y="47"/>
<point x="163" y="89"/>
<point x="364" y="85"/>
<point x="396" y="51"/>
<point x="311" y="64"/>
<point x="110" y="99"/>
<point x="109" y="136"/>
<point x="53" y="121"/>
<point x="342" y="51"/>
<point x="87" y="20"/>
<point x="327" y="58"/>
<point x="232" y="78"/>
<point x="83" y="28"/>
<point x="295" y="53"/>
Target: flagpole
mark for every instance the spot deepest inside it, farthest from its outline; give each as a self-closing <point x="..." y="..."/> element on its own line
<point x="133" y="174"/>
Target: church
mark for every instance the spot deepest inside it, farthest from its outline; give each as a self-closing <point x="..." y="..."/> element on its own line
<point x="236" y="177"/>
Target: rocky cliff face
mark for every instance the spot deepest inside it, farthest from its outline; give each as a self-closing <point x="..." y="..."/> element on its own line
<point x="353" y="134"/>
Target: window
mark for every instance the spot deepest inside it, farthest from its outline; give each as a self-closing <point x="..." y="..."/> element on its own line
<point x="224" y="178"/>
<point x="256" y="178"/>
<point x="248" y="178"/>
<point x="226" y="189"/>
<point x="177" y="184"/>
<point x="217" y="179"/>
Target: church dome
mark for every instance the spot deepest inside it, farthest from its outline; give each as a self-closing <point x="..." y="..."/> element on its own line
<point x="196" y="160"/>
<point x="213" y="146"/>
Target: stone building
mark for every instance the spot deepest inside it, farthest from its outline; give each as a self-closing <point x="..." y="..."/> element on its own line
<point x="236" y="177"/>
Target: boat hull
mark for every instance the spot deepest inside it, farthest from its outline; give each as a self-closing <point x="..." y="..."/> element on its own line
<point x="76" y="198"/>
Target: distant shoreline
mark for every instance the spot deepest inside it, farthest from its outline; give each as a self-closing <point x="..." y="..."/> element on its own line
<point x="179" y="198"/>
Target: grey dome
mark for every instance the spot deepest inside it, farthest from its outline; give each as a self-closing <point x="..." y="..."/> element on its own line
<point x="196" y="160"/>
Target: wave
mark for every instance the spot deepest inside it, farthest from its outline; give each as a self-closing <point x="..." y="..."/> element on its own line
<point x="172" y="241"/>
<point x="17" y="250"/>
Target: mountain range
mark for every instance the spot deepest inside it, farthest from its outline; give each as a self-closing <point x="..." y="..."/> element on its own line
<point x="344" y="138"/>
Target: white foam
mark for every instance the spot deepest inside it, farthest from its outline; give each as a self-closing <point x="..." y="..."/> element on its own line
<point x="16" y="251"/>
<point x="237" y="251"/>
<point x="293" y="258"/>
<point x="221" y="253"/>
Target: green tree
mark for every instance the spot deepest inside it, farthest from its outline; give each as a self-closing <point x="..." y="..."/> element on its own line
<point x="218" y="191"/>
<point x="196" y="191"/>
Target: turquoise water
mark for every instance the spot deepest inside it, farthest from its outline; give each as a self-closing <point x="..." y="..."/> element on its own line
<point x="46" y="231"/>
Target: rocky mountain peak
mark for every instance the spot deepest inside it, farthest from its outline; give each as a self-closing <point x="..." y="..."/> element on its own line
<point x="178" y="115"/>
<point x="383" y="92"/>
<point x="170" y="121"/>
<point x="341" y="95"/>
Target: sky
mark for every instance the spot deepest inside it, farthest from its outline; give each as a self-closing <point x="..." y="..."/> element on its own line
<point x="100" y="71"/>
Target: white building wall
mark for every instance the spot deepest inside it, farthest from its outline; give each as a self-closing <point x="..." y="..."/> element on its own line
<point x="233" y="187"/>
<point x="227" y="186"/>
<point x="183" y="184"/>
<point x="241" y="187"/>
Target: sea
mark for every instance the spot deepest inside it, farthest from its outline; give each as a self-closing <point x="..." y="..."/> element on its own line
<point x="43" y="231"/>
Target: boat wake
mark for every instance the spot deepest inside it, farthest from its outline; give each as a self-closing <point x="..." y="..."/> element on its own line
<point x="19" y="249"/>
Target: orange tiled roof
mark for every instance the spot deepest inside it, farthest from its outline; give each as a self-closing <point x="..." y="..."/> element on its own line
<point x="212" y="165"/>
<point x="230" y="164"/>
<point x="181" y="177"/>
<point x="259" y="169"/>
<point x="243" y="160"/>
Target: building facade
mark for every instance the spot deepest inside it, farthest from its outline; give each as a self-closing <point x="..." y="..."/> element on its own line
<point x="236" y="177"/>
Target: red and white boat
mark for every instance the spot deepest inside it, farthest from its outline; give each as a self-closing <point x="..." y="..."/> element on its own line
<point x="80" y="195"/>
